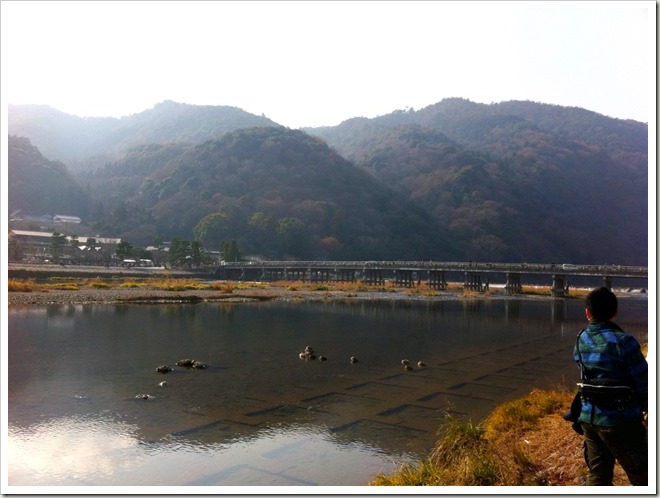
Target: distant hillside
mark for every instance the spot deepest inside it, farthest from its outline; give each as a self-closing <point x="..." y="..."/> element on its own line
<point x="514" y="181"/>
<point x="39" y="186"/>
<point x="89" y="142"/>
<point x="279" y="192"/>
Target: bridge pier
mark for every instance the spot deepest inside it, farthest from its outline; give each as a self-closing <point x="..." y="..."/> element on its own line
<point x="407" y="273"/>
<point x="558" y="286"/>
<point x="373" y="276"/>
<point x="273" y="274"/>
<point x="319" y="275"/>
<point x="513" y="285"/>
<point x="230" y="273"/>
<point x="295" y="274"/>
<point x="437" y="280"/>
<point x="473" y="281"/>
<point x="404" y="278"/>
<point x="345" y="275"/>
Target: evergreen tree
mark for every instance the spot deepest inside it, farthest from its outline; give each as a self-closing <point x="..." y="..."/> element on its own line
<point x="230" y="251"/>
<point x="124" y="250"/>
<point x="57" y="243"/>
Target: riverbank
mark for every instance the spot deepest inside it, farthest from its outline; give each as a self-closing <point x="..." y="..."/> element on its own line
<point x="40" y="285"/>
<point x="128" y="290"/>
<point x="523" y="442"/>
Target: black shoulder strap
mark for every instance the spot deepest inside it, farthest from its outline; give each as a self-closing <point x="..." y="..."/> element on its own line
<point x="577" y="348"/>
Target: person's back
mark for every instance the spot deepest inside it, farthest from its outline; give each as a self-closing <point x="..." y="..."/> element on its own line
<point x="614" y="389"/>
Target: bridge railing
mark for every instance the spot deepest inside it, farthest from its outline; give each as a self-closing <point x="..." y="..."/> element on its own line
<point x="470" y="266"/>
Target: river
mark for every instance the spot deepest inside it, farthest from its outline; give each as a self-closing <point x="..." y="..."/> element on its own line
<point x="86" y="408"/>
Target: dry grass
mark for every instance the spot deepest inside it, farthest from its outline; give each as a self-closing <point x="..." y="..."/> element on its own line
<point x="536" y="290"/>
<point x="17" y="285"/>
<point x="169" y="283"/>
<point x="58" y="283"/>
<point x="524" y="413"/>
<point x="98" y="283"/>
<point x="132" y="284"/>
<point x="524" y="442"/>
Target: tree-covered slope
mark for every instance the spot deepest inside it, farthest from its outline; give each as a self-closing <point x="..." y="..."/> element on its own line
<point x="39" y="186"/>
<point x="278" y="192"/>
<point x="516" y="181"/>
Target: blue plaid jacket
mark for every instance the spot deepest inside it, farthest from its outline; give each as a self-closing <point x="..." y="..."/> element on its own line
<point x="607" y="352"/>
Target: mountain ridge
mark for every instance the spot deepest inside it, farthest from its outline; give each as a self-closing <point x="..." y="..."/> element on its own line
<point x="512" y="181"/>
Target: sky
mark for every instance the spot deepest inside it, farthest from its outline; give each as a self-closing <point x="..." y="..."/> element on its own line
<point x="318" y="63"/>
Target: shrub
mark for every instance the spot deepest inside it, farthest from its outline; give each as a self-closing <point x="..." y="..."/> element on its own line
<point x="131" y="284"/>
<point x="180" y="284"/>
<point x="221" y="286"/>
<point x="16" y="285"/>
<point x="66" y="286"/>
<point x="98" y="284"/>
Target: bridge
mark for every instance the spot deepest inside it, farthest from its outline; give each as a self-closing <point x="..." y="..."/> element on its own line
<point x="476" y="275"/>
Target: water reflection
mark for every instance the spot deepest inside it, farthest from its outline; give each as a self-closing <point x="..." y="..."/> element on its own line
<point x="70" y="450"/>
<point x="259" y="414"/>
<point x="100" y="451"/>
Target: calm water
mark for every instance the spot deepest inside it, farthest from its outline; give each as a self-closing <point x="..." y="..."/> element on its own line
<point x="259" y="415"/>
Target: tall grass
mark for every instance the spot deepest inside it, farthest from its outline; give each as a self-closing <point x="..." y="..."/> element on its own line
<point x="132" y="284"/>
<point x="67" y="286"/>
<point x="523" y="413"/>
<point x="469" y="454"/>
<point x="97" y="283"/>
<point x="17" y="285"/>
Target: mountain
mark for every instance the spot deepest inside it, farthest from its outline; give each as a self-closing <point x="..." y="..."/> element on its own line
<point x="91" y="142"/>
<point x="38" y="185"/>
<point x="278" y="192"/>
<point x="516" y="181"/>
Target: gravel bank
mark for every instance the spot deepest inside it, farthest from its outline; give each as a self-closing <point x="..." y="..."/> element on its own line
<point x="86" y="294"/>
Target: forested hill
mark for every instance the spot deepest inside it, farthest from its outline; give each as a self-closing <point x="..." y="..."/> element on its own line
<point x="279" y="192"/>
<point x="514" y="181"/>
<point x="40" y="186"/>
<point x="82" y="143"/>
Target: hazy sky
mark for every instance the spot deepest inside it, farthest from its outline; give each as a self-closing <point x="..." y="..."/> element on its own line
<point x="318" y="63"/>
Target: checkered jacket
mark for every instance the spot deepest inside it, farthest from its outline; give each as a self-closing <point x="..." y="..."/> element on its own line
<point x="605" y="351"/>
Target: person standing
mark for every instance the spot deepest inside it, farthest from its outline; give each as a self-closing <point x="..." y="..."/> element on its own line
<point x="614" y="394"/>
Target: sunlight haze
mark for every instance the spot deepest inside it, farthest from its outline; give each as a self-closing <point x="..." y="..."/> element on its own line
<point x="319" y="63"/>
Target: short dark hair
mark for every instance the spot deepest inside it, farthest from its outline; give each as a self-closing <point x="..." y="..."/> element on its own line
<point x="602" y="303"/>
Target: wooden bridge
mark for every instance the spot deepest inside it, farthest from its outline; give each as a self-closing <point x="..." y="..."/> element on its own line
<point x="476" y="275"/>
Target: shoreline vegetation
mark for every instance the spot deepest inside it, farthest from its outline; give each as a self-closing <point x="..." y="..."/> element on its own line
<point x="35" y="284"/>
<point x="523" y="442"/>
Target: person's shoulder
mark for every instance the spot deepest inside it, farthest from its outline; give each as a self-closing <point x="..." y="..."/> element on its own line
<point x="626" y="341"/>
